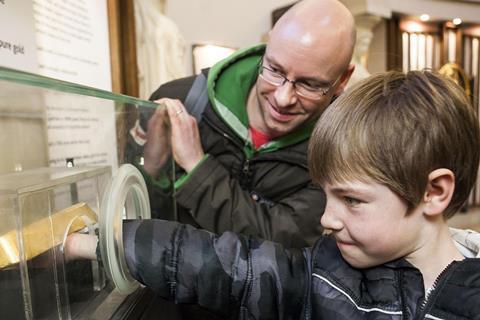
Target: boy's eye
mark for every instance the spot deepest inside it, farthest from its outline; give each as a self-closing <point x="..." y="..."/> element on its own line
<point x="352" y="201"/>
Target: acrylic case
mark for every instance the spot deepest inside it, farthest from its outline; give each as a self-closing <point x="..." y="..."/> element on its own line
<point x="61" y="144"/>
<point x="36" y="213"/>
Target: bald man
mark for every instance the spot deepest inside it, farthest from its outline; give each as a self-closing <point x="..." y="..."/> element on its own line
<point x="243" y="166"/>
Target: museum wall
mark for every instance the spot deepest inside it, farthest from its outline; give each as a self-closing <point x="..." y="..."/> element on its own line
<point x="230" y="23"/>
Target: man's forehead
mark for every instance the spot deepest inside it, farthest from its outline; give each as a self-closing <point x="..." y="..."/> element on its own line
<point x="298" y="69"/>
<point x="316" y="41"/>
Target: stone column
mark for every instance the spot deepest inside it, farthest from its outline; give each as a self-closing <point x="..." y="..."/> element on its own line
<point x="365" y="24"/>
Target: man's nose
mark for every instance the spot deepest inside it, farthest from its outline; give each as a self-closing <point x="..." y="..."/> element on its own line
<point x="330" y="218"/>
<point x="285" y="95"/>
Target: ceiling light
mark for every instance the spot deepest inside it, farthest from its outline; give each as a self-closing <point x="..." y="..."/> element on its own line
<point x="457" y="21"/>
<point x="424" y="17"/>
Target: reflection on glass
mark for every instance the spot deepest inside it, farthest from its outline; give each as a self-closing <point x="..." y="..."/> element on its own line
<point x="46" y="126"/>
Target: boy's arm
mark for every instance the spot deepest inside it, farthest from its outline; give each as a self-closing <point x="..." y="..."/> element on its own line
<point x="228" y="274"/>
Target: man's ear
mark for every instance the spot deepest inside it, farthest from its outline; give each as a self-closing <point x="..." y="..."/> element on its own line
<point x="439" y="191"/>
<point x="344" y="79"/>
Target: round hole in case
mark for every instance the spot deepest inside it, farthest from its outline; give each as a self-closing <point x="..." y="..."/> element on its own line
<point x="126" y="197"/>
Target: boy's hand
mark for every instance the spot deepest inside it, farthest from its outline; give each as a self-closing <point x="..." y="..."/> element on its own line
<point x="80" y="246"/>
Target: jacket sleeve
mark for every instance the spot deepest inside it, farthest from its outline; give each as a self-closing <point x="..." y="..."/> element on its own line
<point x="231" y="275"/>
<point x="218" y="203"/>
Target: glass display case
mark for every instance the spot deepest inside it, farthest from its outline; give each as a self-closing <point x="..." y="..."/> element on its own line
<point x="39" y="208"/>
<point x="61" y="143"/>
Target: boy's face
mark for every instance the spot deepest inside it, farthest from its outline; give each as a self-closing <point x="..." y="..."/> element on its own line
<point x="370" y="223"/>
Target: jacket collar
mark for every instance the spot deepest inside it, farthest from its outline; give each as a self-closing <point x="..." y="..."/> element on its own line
<point x="326" y="249"/>
<point x="386" y="286"/>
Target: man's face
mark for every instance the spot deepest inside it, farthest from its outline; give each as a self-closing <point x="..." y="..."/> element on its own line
<point x="370" y="223"/>
<point x="280" y="108"/>
<point x="309" y="60"/>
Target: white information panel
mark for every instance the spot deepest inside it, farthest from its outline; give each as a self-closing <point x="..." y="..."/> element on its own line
<point x="65" y="40"/>
<point x="17" y="37"/>
<point x="72" y="39"/>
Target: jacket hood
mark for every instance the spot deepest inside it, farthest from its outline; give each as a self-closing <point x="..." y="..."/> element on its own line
<point x="229" y="84"/>
<point x="467" y="241"/>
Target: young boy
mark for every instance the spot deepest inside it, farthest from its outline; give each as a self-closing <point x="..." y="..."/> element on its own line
<point x="397" y="156"/>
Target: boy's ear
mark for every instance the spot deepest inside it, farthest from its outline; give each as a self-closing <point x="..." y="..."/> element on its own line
<point x="439" y="192"/>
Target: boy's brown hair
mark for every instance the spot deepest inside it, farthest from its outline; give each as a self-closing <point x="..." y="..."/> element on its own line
<point x="396" y="128"/>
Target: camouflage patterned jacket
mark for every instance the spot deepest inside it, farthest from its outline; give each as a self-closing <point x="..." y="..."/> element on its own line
<point x="242" y="277"/>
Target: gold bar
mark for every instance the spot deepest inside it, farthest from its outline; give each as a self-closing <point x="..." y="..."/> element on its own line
<point x="44" y="234"/>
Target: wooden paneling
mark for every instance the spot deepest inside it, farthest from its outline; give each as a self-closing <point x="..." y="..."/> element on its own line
<point x="123" y="66"/>
<point x="394" y="44"/>
<point x="122" y="47"/>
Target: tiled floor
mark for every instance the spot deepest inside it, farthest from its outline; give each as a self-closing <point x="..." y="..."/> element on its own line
<point x="467" y="220"/>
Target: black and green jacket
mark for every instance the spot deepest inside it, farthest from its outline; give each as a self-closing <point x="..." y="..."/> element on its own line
<point x="265" y="192"/>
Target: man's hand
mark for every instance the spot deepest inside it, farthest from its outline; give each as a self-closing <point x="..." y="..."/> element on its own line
<point x="186" y="146"/>
<point x="157" y="148"/>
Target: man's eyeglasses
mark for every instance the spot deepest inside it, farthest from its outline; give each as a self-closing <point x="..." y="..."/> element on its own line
<point x="303" y="89"/>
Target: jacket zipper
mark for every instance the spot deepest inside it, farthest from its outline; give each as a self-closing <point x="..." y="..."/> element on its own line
<point x="246" y="166"/>
<point x="227" y="136"/>
<point x="434" y="290"/>
<point x="246" y="163"/>
<point x="402" y="295"/>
